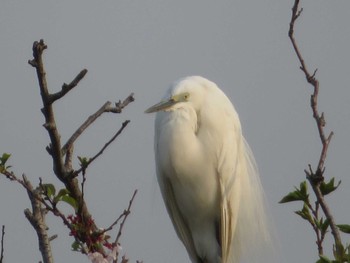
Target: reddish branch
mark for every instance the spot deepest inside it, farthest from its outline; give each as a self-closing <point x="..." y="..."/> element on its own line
<point x="315" y="178"/>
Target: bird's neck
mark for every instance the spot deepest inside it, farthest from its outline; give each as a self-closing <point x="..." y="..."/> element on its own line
<point x="183" y="121"/>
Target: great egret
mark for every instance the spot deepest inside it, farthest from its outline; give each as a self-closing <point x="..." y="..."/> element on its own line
<point x="207" y="173"/>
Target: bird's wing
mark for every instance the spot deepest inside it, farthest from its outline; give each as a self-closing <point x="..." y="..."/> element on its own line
<point x="229" y="202"/>
<point x="243" y="221"/>
<point x="230" y="173"/>
<point x="175" y="215"/>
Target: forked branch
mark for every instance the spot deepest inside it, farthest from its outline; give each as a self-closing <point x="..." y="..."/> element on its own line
<point x="315" y="178"/>
<point x="63" y="168"/>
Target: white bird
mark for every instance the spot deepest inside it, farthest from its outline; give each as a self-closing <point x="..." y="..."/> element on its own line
<point x="207" y="173"/>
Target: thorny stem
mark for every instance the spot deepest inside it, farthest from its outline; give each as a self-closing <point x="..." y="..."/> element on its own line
<point x="316" y="178"/>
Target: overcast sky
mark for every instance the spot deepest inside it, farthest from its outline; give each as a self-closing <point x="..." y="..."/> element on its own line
<point x="142" y="47"/>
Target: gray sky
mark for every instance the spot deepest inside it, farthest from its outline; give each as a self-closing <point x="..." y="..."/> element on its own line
<point x="141" y="47"/>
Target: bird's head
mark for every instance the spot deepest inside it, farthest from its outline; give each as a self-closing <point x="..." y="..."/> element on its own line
<point x="188" y="92"/>
<point x="170" y="103"/>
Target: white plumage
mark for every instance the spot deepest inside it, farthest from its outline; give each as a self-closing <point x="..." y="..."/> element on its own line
<point x="207" y="173"/>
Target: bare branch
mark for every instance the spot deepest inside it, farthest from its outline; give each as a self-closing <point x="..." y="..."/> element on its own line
<point x="119" y="106"/>
<point x="59" y="168"/>
<point x="124" y="215"/>
<point x="47" y="110"/>
<point x="69" y="157"/>
<point x="37" y="219"/>
<point x="84" y="126"/>
<point x="68" y="87"/>
<point x="2" y="243"/>
<point x="63" y="169"/>
<point x="316" y="178"/>
<point x="124" y="124"/>
<point x="105" y="108"/>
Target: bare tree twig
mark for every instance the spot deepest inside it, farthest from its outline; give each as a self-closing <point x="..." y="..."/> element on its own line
<point x="125" y="215"/>
<point x="84" y="126"/>
<point x="2" y="243"/>
<point x="77" y="172"/>
<point x="68" y="87"/>
<point x="105" y="108"/>
<point x="316" y="178"/>
<point x="119" y="106"/>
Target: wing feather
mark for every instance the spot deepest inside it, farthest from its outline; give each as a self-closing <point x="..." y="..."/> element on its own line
<point x="176" y="217"/>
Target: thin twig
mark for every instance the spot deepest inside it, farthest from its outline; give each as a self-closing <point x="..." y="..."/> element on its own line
<point x="316" y="178"/>
<point x="68" y="87"/>
<point x="77" y="172"/>
<point x="83" y="127"/>
<point x="119" y="106"/>
<point x="2" y="243"/>
<point x="83" y="184"/>
<point x="92" y="118"/>
<point x="124" y="215"/>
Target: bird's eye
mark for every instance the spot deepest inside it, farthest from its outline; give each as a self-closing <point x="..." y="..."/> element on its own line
<point x="186" y="96"/>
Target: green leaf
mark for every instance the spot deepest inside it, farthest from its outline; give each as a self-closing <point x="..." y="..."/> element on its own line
<point x="303" y="190"/>
<point x="83" y="161"/>
<point x="344" y="228"/>
<point x="291" y="197"/>
<point x="76" y="246"/>
<point x="49" y="189"/>
<point x="61" y="192"/>
<point x="329" y="187"/>
<point x="70" y="200"/>
<point x="305" y="214"/>
<point x="339" y="253"/>
<point x="64" y="195"/>
<point x="298" y="195"/>
<point x="323" y="259"/>
<point x="4" y="158"/>
<point x="324" y="226"/>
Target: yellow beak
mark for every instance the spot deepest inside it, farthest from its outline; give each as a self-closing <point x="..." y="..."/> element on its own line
<point x="163" y="105"/>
